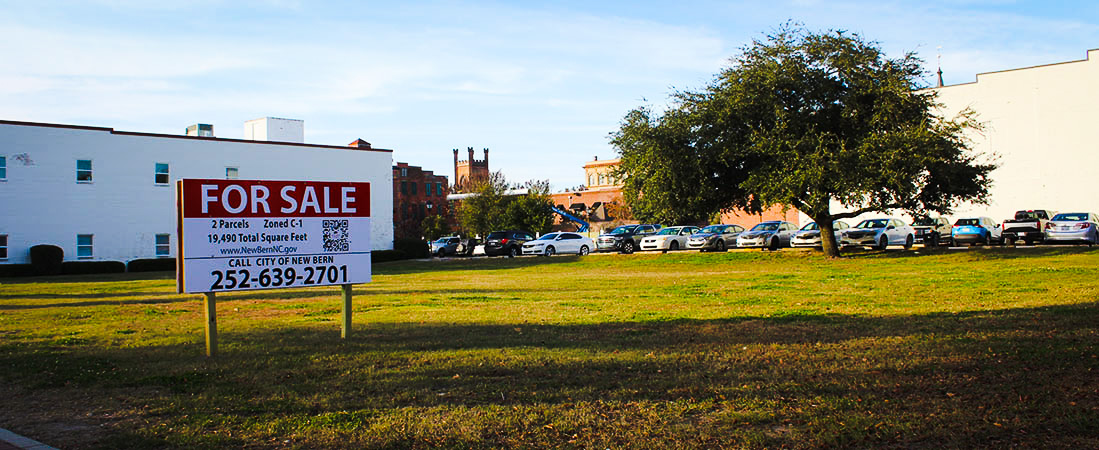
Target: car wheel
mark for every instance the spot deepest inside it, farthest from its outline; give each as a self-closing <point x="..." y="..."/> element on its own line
<point x="513" y="252"/>
<point x="584" y="250"/>
<point x="908" y="242"/>
<point x="883" y="243"/>
<point x="719" y="246"/>
<point x="953" y="242"/>
<point x="674" y="246"/>
<point x="988" y="240"/>
<point x="773" y="245"/>
<point x="627" y="247"/>
<point x="550" y="251"/>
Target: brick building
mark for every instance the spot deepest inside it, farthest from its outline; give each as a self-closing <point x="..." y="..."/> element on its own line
<point x="417" y="193"/>
<point x="469" y="169"/>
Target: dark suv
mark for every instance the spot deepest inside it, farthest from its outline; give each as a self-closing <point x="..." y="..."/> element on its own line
<point x="931" y="231"/>
<point x="625" y="238"/>
<point x="506" y="242"/>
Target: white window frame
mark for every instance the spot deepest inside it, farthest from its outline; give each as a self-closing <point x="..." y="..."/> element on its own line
<point x="90" y="246"/>
<point x="235" y="170"/>
<point x="90" y="170"/>
<point x="3" y="247"/>
<point x="162" y="250"/>
<point x="167" y="174"/>
<point x="3" y="168"/>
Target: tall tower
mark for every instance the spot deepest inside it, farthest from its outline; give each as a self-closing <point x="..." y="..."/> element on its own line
<point x="470" y="169"/>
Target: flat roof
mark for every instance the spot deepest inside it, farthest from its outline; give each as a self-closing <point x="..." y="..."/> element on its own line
<point x="180" y="136"/>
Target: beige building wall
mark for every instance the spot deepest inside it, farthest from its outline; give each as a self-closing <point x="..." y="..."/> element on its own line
<point x="1042" y="124"/>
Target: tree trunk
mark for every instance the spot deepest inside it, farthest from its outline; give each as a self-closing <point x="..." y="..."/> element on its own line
<point x="827" y="236"/>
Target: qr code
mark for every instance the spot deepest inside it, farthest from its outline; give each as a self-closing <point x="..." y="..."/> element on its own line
<point x="336" y="236"/>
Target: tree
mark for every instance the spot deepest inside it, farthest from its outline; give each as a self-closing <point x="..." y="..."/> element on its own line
<point x="531" y="212"/>
<point x="491" y="207"/>
<point x="809" y="120"/>
<point x="435" y="226"/>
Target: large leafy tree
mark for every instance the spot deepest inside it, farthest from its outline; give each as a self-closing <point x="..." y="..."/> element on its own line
<point x="490" y="207"/>
<point x="809" y="120"/>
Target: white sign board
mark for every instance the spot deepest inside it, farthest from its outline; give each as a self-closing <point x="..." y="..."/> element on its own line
<point x="258" y="234"/>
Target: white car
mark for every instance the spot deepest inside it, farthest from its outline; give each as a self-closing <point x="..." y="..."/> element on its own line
<point x="879" y="233"/>
<point x="809" y="235"/>
<point x="771" y="235"/>
<point x="670" y="238"/>
<point x="552" y="243"/>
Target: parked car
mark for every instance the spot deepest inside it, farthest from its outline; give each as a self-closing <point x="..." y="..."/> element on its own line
<point x="809" y="235"/>
<point x="714" y="237"/>
<point x="976" y="230"/>
<point x="880" y="233"/>
<point x="625" y="238"/>
<point x="670" y="238"/>
<point x="931" y="231"/>
<point x="550" y="244"/>
<point x="467" y="246"/>
<point x="508" y="243"/>
<point x="445" y="246"/>
<point x="1028" y="225"/>
<point x="771" y="235"/>
<point x="1073" y="227"/>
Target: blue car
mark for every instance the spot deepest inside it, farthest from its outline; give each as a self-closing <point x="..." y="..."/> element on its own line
<point x="976" y="230"/>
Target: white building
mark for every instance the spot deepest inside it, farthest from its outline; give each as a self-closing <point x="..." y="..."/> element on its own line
<point x="102" y="194"/>
<point x="1038" y="121"/>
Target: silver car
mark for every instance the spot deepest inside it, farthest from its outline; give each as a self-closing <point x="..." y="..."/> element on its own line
<point x="445" y="246"/>
<point x="879" y="233"/>
<point x="809" y="235"/>
<point x="771" y="235"/>
<point x="1073" y="227"/>
<point x="670" y="238"/>
<point x="715" y="237"/>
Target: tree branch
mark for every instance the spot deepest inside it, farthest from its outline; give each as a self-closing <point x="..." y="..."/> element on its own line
<point x="848" y="215"/>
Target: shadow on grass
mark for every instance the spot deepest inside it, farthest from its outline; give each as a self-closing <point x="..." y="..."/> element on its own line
<point x="993" y="252"/>
<point x="1016" y="377"/>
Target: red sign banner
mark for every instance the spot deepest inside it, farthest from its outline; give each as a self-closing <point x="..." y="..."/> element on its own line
<point x="255" y="198"/>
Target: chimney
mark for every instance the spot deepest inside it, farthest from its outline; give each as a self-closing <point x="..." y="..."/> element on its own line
<point x="597" y="157"/>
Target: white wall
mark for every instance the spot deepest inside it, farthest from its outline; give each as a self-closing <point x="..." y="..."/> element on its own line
<point x="124" y="209"/>
<point x="275" y="130"/>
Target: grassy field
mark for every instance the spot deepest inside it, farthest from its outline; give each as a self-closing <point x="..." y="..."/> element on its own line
<point x="976" y="348"/>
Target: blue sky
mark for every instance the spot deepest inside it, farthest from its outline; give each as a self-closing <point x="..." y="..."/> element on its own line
<point x="540" y="84"/>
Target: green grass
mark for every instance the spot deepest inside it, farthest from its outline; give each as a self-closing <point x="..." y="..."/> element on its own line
<point x="980" y="348"/>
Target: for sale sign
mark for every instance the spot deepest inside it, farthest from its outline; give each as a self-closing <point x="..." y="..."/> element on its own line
<point x="260" y="234"/>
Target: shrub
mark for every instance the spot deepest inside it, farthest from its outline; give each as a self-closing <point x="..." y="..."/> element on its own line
<point x="151" y="265"/>
<point x="379" y="256"/>
<point x="90" y="267"/>
<point x="413" y="248"/>
<point x="16" y="270"/>
<point x="46" y="259"/>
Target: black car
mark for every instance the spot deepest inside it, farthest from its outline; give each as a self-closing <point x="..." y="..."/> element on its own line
<point x="625" y="238"/>
<point x="508" y="243"/>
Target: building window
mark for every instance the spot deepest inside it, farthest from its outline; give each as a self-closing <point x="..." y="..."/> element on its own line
<point x="3" y="168"/>
<point x="415" y="188"/>
<point x="160" y="173"/>
<point x="83" y="171"/>
<point x="404" y="171"/>
<point x="163" y="245"/>
<point x="84" y="246"/>
<point x="427" y="189"/>
<point x="439" y="188"/>
<point x="232" y="173"/>
<point x="404" y="187"/>
<point x="3" y="246"/>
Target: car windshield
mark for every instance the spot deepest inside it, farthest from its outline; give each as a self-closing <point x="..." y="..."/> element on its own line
<point x="442" y="240"/>
<point x="547" y="237"/>
<point x="924" y="222"/>
<point x="667" y="231"/>
<point x="964" y="222"/>
<point x="1071" y="217"/>
<point x="497" y="235"/>
<point x="714" y="229"/>
<point x="811" y="226"/>
<point x="873" y="223"/>
<point x="766" y="226"/>
<point x="624" y="229"/>
<point x="1025" y="215"/>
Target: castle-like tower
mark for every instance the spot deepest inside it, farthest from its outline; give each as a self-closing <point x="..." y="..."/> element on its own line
<point x="468" y="170"/>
